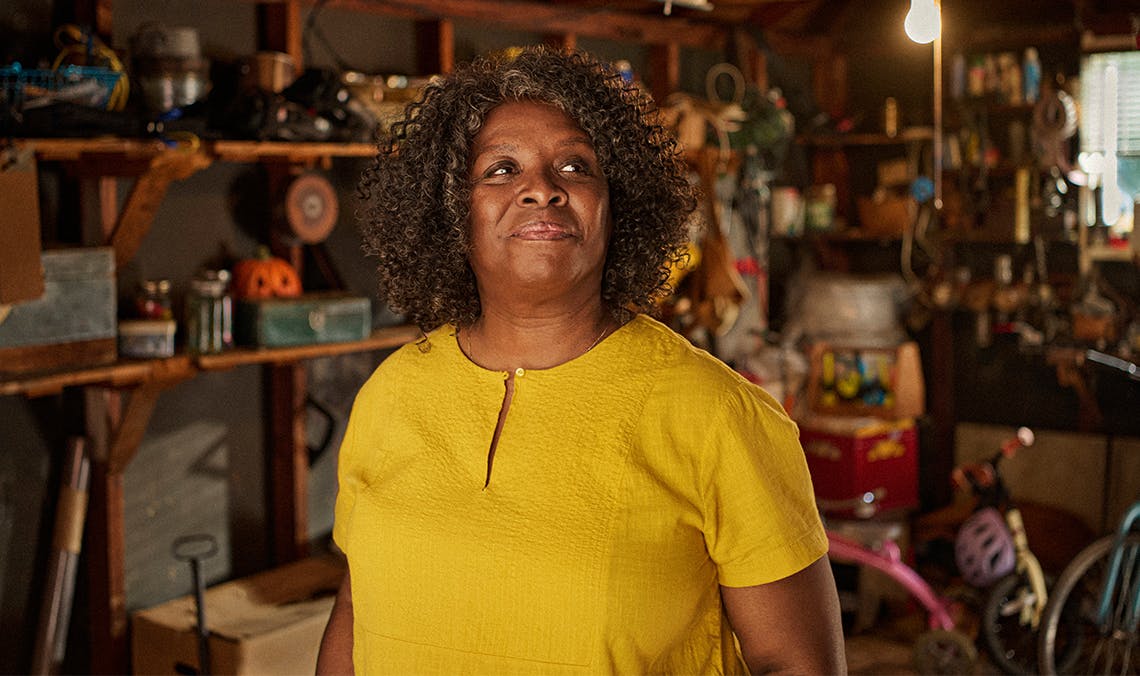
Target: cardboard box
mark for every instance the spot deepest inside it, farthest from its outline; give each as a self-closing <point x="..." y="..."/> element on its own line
<point x="878" y="382"/>
<point x="73" y="323"/>
<point x="851" y="456"/>
<point x="268" y="623"/>
<point x="21" y="272"/>
<point x="305" y="320"/>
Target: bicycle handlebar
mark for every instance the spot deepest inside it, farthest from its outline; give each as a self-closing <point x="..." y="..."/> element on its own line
<point x="982" y="475"/>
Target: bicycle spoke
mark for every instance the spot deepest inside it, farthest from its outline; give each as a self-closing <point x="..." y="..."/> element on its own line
<point x="1082" y="640"/>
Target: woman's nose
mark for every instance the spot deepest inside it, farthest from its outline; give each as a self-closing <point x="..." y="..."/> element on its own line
<point x="542" y="189"/>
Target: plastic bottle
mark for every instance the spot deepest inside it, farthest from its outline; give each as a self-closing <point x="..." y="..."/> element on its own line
<point x="1031" y="77"/>
<point x="958" y="76"/>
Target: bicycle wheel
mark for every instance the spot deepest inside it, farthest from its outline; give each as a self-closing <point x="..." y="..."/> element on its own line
<point x="1012" y="645"/>
<point x="944" y="652"/>
<point x="1070" y="640"/>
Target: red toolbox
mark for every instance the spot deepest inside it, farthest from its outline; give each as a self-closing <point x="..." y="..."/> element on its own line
<point x="851" y="456"/>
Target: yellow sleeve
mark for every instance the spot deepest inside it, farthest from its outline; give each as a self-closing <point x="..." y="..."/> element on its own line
<point x="761" y="521"/>
<point x="348" y="483"/>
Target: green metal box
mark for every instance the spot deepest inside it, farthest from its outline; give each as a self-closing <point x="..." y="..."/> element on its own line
<point x="308" y="319"/>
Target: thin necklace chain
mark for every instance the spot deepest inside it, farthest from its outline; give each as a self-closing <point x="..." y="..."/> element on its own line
<point x="605" y="329"/>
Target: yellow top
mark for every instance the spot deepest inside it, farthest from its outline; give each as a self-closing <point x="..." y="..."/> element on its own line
<point x="627" y="484"/>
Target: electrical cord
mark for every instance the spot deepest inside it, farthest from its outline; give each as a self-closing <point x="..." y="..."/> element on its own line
<point x="311" y="28"/>
<point x="76" y="44"/>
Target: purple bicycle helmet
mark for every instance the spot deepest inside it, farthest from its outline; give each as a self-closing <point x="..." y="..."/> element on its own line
<point x="984" y="548"/>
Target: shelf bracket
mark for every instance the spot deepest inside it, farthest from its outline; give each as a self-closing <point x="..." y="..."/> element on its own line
<point x="128" y="434"/>
<point x="145" y="198"/>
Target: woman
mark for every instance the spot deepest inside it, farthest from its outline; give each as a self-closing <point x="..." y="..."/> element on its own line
<point x="550" y="481"/>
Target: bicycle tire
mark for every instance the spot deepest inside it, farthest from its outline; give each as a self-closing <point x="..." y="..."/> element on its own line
<point x="1012" y="645"/>
<point x="941" y="651"/>
<point x="1068" y="625"/>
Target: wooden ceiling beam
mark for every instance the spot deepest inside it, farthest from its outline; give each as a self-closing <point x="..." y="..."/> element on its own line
<point x="547" y="19"/>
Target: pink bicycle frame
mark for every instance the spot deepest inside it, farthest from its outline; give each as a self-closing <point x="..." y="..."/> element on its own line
<point x="889" y="560"/>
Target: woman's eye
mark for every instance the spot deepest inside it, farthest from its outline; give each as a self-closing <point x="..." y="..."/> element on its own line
<point x="576" y="167"/>
<point x="499" y="170"/>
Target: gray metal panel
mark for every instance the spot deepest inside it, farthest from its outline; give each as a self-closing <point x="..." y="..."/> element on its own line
<point x="79" y="301"/>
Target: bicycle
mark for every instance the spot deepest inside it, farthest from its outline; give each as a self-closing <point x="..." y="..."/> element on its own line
<point x="1090" y="623"/>
<point x="942" y="649"/>
<point x="992" y="550"/>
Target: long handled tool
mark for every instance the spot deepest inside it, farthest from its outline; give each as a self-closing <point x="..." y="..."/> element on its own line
<point x="195" y="549"/>
<point x="67" y="540"/>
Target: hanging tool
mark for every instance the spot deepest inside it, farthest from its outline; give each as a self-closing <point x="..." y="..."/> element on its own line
<point x="196" y="549"/>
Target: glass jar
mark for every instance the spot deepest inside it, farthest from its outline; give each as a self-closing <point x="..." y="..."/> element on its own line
<point x="209" y="313"/>
<point x="153" y="300"/>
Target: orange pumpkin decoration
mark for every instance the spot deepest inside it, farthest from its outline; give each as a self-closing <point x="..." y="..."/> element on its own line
<point x="265" y="276"/>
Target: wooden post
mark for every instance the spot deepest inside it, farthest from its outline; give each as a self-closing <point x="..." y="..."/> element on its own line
<point x="287" y="462"/>
<point x="279" y="29"/>
<point x="97" y="15"/>
<point x="435" y="47"/>
<point x="941" y="399"/>
<point x="105" y="543"/>
<point x="664" y="71"/>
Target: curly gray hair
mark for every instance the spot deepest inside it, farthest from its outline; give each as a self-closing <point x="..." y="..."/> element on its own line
<point x="416" y="192"/>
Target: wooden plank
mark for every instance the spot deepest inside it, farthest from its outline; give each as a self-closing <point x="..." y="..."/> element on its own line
<point x="544" y="18"/>
<point x="132" y="372"/>
<point x="120" y="374"/>
<point x="381" y="339"/>
<point x="131" y="157"/>
<point x="908" y="135"/>
<point x="25" y="359"/>
<point x="256" y="151"/>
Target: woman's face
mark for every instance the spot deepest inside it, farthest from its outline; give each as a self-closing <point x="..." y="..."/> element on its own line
<point x="540" y="211"/>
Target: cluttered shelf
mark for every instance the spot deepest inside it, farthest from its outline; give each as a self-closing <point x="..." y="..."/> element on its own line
<point x="837" y="140"/>
<point x="73" y="149"/>
<point x="135" y="371"/>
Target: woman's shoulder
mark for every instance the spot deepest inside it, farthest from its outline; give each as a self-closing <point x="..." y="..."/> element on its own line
<point x="672" y="353"/>
<point x="428" y="351"/>
<point x="690" y="375"/>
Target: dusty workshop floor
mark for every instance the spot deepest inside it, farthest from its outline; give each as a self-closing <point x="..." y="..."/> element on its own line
<point x="886" y="649"/>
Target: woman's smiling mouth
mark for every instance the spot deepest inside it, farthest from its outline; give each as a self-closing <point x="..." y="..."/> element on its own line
<point x="542" y="231"/>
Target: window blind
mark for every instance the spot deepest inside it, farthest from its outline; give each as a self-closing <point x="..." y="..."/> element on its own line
<point x="1097" y="118"/>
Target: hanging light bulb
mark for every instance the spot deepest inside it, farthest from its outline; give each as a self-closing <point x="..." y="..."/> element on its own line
<point x="923" y="22"/>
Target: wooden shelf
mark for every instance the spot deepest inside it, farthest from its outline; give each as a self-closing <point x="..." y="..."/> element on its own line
<point x="75" y="149"/>
<point x="845" y="236"/>
<point x="1106" y="253"/>
<point x="830" y="140"/>
<point x="115" y="375"/>
<point x="134" y="372"/>
<point x="381" y="339"/>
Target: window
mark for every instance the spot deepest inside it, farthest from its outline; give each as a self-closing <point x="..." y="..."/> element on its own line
<point x="1110" y="132"/>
